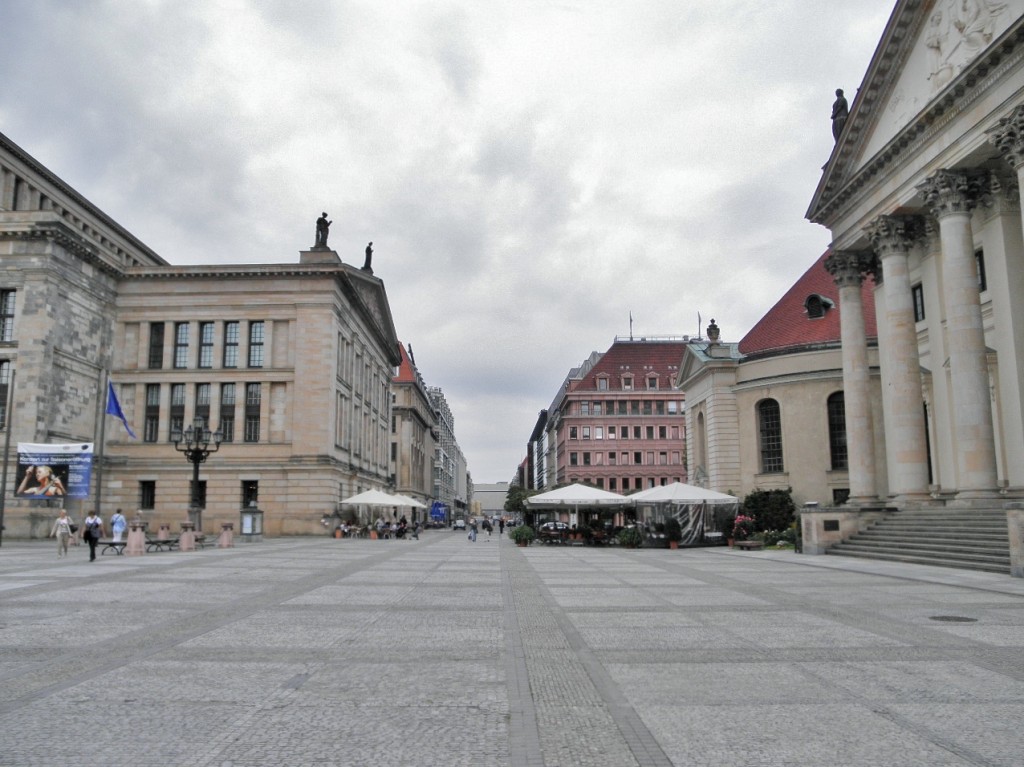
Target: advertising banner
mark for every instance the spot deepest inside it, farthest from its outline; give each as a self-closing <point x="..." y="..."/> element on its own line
<point x="438" y="510"/>
<point x="52" y="471"/>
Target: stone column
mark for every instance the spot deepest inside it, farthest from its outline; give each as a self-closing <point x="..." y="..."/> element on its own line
<point x="951" y="197"/>
<point x="906" y="442"/>
<point x="848" y="271"/>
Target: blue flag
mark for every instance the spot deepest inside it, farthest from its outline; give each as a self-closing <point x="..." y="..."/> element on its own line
<point x="114" y="409"/>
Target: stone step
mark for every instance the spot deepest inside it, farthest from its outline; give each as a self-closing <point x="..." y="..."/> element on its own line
<point x="936" y="535"/>
<point x="939" y="549"/>
<point x="913" y="559"/>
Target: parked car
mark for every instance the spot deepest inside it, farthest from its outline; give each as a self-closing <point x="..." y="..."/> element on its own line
<point x="459" y="524"/>
<point x="553" y="532"/>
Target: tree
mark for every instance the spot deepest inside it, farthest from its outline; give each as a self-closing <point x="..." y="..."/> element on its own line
<point x="515" y="500"/>
<point x="771" y="509"/>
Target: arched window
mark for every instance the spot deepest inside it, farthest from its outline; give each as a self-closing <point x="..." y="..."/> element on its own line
<point x="769" y="423"/>
<point x="837" y="431"/>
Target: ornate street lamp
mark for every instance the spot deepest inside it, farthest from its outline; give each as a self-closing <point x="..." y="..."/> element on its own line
<point x="196" y="442"/>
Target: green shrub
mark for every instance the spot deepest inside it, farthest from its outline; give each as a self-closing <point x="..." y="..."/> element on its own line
<point x="770" y="509"/>
<point x="522" y="534"/>
<point x="631" y="537"/>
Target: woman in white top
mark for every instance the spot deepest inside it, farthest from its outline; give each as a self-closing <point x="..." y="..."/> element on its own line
<point x="62" y="531"/>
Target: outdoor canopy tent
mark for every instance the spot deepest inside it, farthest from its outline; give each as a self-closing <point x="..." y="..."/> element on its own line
<point x="696" y="500"/>
<point x="577" y="496"/>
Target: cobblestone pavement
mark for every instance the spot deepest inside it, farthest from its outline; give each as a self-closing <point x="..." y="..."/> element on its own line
<point x="320" y="652"/>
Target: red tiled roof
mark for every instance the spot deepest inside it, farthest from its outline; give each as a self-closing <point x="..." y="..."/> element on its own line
<point x="640" y="358"/>
<point x="786" y="326"/>
<point x="406" y="374"/>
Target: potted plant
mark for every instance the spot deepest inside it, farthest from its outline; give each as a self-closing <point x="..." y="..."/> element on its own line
<point x="631" y="538"/>
<point x="674" y="532"/>
<point x="743" y="527"/>
<point x="522" y="535"/>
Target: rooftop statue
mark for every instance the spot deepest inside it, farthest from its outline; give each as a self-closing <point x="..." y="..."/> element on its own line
<point x="840" y="111"/>
<point x="322" y="227"/>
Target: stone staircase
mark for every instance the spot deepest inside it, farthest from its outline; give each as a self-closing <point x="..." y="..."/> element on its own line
<point x="971" y="539"/>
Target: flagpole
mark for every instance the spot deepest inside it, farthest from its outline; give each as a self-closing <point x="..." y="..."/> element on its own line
<point x="7" y="453"/>
<point x="104" y="384"/>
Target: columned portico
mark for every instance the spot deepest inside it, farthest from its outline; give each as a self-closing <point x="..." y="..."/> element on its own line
<point x="901" y="369"/>
<point x="847" y="268"/>
<point x="952" y="196"/>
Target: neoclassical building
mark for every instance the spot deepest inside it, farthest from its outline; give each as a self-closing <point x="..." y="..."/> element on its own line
<point x="293" y="362"/>
<point x="414" y="433"/>
<point x="891" y="375"/>
<point x="922" y="193"/>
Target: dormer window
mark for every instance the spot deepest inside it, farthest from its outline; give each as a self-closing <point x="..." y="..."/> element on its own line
<point x="627" y="382"/>
<point x="816" y="306"/>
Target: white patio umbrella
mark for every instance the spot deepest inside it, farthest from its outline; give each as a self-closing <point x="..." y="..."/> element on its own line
<point x="695" y="499"/>
<point x="577" y="496"/>
<point x="372" y="498"/>
<point x="405" y="500"/>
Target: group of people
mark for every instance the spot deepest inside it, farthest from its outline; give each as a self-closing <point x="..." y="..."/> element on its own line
<point x="397" y="528"/>
<point x="65" y="531"/>
<point x="486" y="526"/>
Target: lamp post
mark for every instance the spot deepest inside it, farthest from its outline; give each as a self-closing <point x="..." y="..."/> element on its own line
<point x="195" y="443"/>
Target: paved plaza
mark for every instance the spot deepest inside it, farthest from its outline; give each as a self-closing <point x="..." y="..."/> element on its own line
<point x="318" y="652"/>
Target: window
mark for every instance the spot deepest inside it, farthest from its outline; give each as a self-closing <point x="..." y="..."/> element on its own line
<point x="662" y="432"/>
<point x="598" y="432"/>
<point x="573" y="432"/>
<point x="147" y="494"/>
<point x="652" y="382"/>
<point x="156" y="345"/>
<point x="574" y="459"/>
<point x="634" y="407"/>
<point x="659" y="408"/>
<point x="181" y="345"/>
<point x="602" y="384"/>
<point x="647" y="407"/>
<point x="253" y="398"/>
<point x="769" y="420"/>
<point x="256" y="344"/>
<point x="979" y="259"/>
<point x="816" y="306"/>
<point x="227" y="411"/>
<point x="177" y="422"/>
<point x="597" y="408"/>
<point x="612" y="484"/>
<point x="638" y="458"/>
<point x="206" y="344"/>
<point x="663" y="459"/>
<point x="250" y="493"/>
<point x="837" y="431"/>
<point x="650" y="432"/>
<point x="637" y="432"/>
<point x="622" y="407"/>
<point x="672" y="405"/>
<point x="917" y="291"/>
<point x="5" y="389"/>
<point x="627" y="382"/>
<point x="203" y="403"/>
<point x="230" y="344"/>
<point x="611" y="432"/>
<point x="611" y="459"/>
<point x="584" y="408"/>
<point x="586" y="459"/>
<point x="7" y="315"/>
<point x="150" y="431"/>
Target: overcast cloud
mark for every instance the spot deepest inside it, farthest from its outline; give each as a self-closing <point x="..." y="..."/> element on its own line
<point x="529" y="172"/>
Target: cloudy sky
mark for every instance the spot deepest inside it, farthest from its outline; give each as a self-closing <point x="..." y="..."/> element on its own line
<point x="529" y="172"/>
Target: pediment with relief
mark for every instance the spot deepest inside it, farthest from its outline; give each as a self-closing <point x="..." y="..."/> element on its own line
<point x="951" y="34"/>
<point x="371" y="295"/>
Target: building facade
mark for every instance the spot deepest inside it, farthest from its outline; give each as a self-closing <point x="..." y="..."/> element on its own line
<point x="618" y="422"/>
<point x="413" y="433"/>
<point x="451" y="476"/>
<point x="292" y="362"/>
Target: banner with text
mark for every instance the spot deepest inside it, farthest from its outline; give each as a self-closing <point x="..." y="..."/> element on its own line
<point x="52" y="471"/>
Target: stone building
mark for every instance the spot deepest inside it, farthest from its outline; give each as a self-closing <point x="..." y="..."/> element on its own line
<point x="414" y="433"/>
<point x="452" y="485"/>
<point x="617" y="422"/>
<point x="292" y="361"/>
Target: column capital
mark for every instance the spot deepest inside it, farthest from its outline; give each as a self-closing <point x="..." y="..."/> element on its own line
<point x="947" y="192"/>
<point x="893" y="234"/>
<point x="1008" y="137"/>
<point x="1001" y="192"/>
<point x="847" y="267"/>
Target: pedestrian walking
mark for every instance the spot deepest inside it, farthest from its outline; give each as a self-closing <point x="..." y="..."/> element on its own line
<point x="118" y="524"/>
<point x="487" y="527"/>
<point x="93" y="533"/>
<point x="501" y="527"/>
<point x="62" y="532"/>
<point x="472" y="531"/>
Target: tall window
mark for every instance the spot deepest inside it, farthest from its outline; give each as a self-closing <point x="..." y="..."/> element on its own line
<point x="203" y="403"/>
<point x="227" y="411"/>
<point x="837" y="430"/>
<point x="230" y="344"/>
<point x="147" y="494"/>
<point x="5" y="388"/>
<point x="250" y="492"/>
<point x="156" y="345"/>
<point x="917" y="291"/>
<point x="255" y="344"/>
<point x="181" y="344"/>
<point x="769" y="420"/>
<point x="177" y="421"/>
<point x="979" y="259"/>
<point x="206" y="344"/>
<point x="253" y="396"/>
<point x="151" y="430"/>
<point x="7" y="315"/>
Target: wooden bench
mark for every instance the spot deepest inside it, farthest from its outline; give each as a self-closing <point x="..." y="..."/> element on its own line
<point x="108" y="543"/>
<point x="749" y="545"/>
<point x="165" y="544"/>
